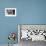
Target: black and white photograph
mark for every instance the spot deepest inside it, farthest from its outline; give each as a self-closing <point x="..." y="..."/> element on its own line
<point x="10" y="11"/>
<point x="31" y="34"/>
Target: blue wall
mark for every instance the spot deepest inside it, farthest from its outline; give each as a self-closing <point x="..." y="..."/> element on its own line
<point x="28" y="12"/>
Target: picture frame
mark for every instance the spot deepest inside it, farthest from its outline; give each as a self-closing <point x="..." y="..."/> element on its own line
<point x="10" y="12"/>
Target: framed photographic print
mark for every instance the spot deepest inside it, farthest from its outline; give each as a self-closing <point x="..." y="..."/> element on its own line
<point x="10" y="11"/>
<point x="33" y="32"/>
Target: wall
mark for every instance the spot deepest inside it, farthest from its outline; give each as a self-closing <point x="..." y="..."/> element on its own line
<point x="28" y="12"/>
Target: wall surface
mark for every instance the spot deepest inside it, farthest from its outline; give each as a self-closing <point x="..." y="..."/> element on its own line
<point x="28" y="12"/>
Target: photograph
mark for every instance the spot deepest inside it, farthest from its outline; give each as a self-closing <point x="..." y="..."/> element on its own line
<point x="10" y="11"/>
<point x="29" y="33"/>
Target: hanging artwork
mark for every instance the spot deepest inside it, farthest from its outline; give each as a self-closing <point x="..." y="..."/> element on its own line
<point x="10" y="11"/>
<point x="32" y="32"/>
